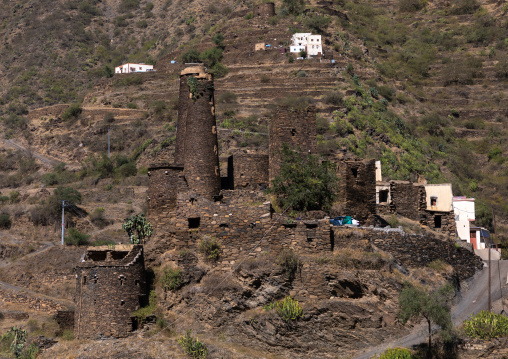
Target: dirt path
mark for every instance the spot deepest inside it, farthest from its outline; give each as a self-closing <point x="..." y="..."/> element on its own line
<point x="44" y="159"/>
<point x="471" y="300"/>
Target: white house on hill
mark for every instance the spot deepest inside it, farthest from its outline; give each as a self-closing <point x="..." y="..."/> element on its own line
<point x="305" y="41"/>
<point x="464" y="215"/>
<point x="131" y="68"/>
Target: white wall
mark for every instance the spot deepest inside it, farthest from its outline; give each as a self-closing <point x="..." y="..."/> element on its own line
<point x="464" y="215"/>
<point x="131" y="68"/>
<point x="444" y="195"/>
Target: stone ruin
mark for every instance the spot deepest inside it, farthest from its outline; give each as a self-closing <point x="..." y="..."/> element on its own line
<point x="110" y="285"/>
<point x="264" y="10"/>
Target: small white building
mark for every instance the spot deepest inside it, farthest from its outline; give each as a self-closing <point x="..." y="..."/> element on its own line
<point x="464" y="214"/>
<point x="132" y="68"/>
<point x="305" y="41"/>
<point x="439" y="197"/>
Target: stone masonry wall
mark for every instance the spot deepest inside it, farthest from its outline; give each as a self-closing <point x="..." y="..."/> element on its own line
<point x="164" y="183"/>
<point x="296" y="128"/>
<point x="445" y="224"/>
<point x="264" y="10"/>
<point x="108" y="290"/>
<point x="248" y="171"/>
<point x="412" y="250"/>
<point x="357" y="189"/>
<point x="408" y="199"/>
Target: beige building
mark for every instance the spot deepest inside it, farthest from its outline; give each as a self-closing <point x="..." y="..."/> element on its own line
<point x="439" y="197"/>
<point x="260" y="46"/>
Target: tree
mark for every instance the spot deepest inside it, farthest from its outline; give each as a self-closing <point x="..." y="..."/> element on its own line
<point x="317" y="22"/>
<point x="137" y="227"/>
<point x="417" y="303"/>
<point x="294" y="7"/>
<point x="191" y="55"/>
<point x="304" y="182"/>
<point x="303" y="54"/>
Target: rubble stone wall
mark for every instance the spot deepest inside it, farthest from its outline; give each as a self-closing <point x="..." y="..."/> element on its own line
<point x="108" y="290"/>
<point x="357" y="189"/>
<point x="408" y="200"/>
<point x="248" y="170"/>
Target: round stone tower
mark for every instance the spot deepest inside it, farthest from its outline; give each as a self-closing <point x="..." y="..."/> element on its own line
<point x="197" y="131"/>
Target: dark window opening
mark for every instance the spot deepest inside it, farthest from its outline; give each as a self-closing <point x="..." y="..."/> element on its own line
<point x="383" y="196"/>
<point x="116" y="255"/>
<point x="223" y="225"/>
<point x="354" y="172"/>
<point x="122" y="302"/>
<point x="433" y="201"/>
<point x="84" y="280"/>
<point x="293" y="131"/>
<point x="136" y="282"/>
<point x="194" y="222"/>
<point x="437" y="221"/>
<point x="121" y="280"/>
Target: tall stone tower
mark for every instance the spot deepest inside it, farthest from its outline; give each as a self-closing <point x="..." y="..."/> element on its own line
<point x="196" y="137"/>
<point x="294" y="127"/>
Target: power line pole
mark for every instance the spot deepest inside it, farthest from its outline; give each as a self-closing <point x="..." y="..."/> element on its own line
<point x="63" y="221"/>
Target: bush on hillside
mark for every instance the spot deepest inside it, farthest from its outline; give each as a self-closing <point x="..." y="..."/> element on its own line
<point x="5" y="221"/>
<point x="192" y="346"/>
<point x="486" y="325"/>
<point x="411" y="5"/>
<point x="73" y="111"/>
<point x="76" y="238"/>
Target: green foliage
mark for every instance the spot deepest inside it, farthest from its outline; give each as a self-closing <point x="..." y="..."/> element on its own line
<point x="294" y="7"/>
<point x="333" y="98"/>
<point x="304" y="183"/>
<point x="416" y="303"/>
<point x="148" y="310"/>
<point x="483" y="215"/>
<point x="462" y="7"/>
<point x="5" y="221"/>
<point x="138" y="228"/>
<point x="128" y="5"/>
<point x="73" y="111"/>
<point x="218" y="39"/>
<point x="212" y="56"/>
<point x="411" y="5"/>
<point x="192" y="346"/>
<point x="303" y="54"/>
<point x="290" y="263"/>
<point x="191" y="55"/>
<point x="317" y="22"/>
<point x="249" y="16"/>
<point x="394" y="353"/>
<point x="129" y="80"/>
<point x="17" y="338"/>
<point x="211" y="248"/>
<point x="289" y="309"/>
<point x="227" y="97"/>
<point x="97" y="217"/>
<point x="76" y="238"/>
<point x="171" y="279"/>
<point x="67" y="194"/>
<point x="486" y="325"/>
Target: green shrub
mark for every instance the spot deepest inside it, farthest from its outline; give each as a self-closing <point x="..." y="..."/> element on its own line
<point x="411" y="5"/>
<point x="191" y="55"/>
<point x="486" y="325"/>
<point x="171" y="279"/>
<point x="333" y="98"/>
<point x="5" y="221"/>
<point x="73" y="111"/>
<point x="249" y="16"/>
<point x="148" y="310"/>
<point x="301" y="74"/>
<point x="289" y="309"/>
<point x="129" y="80"/>
<point x="438" y="265"/>
<point x="76" y="238"/>
<point x="394" y="353"/>
<point x="192" y="346"/>
<point x="211" y="248"/>
<point x="128" y="5"/>
<point x="97" y="217"/>
<point x="290" y="263"/>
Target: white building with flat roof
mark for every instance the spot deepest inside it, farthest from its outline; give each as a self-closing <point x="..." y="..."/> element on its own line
<point x="132" y="68"/>
<point x="305" y="41"/>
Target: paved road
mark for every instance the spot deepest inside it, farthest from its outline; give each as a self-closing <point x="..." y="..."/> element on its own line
<point x="472" y="299"/>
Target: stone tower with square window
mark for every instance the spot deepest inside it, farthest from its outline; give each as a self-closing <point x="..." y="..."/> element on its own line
<point x="110" y="285"/>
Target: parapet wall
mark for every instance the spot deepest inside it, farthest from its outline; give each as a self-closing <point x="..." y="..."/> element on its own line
<point x="110" y="285"/>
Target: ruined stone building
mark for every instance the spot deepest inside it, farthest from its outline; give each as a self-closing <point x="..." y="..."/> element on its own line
<point x="110" y="285"/>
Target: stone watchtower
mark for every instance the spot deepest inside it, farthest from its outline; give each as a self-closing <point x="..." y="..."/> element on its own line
<point x="110" y="285"/>
<point x="296" y="128"/>
<point x="196" y="137"/>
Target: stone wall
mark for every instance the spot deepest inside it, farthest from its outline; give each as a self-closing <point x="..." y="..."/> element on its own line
<point x="412" y="250"/>
<point x="439" y="221"/>
<point x="110" y="285"/>
<point x="357" y="189"/>
<point x="248" y="171"/>
<point x="296" y="128"/>
<point x="264" y="10"/>
<point x="408" y="200"/>
<point x="164" y="183"/>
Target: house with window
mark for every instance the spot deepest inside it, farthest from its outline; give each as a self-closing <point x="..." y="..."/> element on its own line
<point x="305" y="41"/>
<point x="132" y="68"/>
